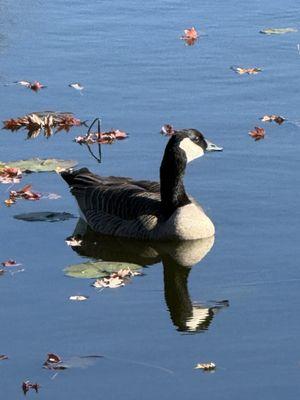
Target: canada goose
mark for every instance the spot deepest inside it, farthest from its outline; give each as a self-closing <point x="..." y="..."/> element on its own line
<point x="146" y="210"/>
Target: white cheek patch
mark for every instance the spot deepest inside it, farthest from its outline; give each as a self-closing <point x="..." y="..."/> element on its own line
<point x="191" y="149"/>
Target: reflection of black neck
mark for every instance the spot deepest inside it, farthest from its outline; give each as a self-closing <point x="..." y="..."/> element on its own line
<point x="172" y="170"/>
<point x="176" y="293"/>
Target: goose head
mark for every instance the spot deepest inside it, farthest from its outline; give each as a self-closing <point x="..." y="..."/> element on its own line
<point x="191" y="144"/>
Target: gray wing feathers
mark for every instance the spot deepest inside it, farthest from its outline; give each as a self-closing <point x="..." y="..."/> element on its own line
<point x="118" y="206"/>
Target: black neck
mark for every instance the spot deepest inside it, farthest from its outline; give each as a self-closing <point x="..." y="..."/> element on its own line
<point x="172" y="170"/>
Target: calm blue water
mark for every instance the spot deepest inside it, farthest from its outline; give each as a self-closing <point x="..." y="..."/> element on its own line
<point x="138" y="75"/>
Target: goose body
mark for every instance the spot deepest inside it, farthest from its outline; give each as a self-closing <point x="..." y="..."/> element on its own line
<point x="124" y="207"/>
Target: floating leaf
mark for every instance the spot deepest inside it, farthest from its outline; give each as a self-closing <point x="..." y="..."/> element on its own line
<point x="10" y="175"/>
<point x="78" y="298"/>
<point x="276" y="118"/>
<point x="257" y="133"/>
<point x="76" y="86"/>
<point x="24" y="193"/>
<point x="47" y="216"/>
<point x="40" y="165"/>
<point x="206" y="366"/>
<point x="35" y="86"/>
<point x="277" y="31"/>
<point x="55" y="362"/>
<point x="249" y="71"/>
<point x="98" y="269"/>
<point x="112" y="282"/>
<point x="101" y="137"/>
<point x="10" y="263"/>
<point x="74" y="241"/>
<point x="190" y="36"/>
<point x="44" y="121"/>
<point x="27" y="385"/>
<point x="167" y="130"/>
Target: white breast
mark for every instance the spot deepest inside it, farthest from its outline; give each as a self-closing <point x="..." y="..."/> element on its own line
<point x="189" y="223"/>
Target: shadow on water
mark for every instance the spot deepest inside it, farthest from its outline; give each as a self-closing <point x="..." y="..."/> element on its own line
<point x="177" y="259"/>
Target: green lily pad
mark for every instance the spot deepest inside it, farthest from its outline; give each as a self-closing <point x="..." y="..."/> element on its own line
<point x="277" y="31"/>
<point x="40" y="165"/>
<point x="97" y="269"/>
<point x="48" y="216"/>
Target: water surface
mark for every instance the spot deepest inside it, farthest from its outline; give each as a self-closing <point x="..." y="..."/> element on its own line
<point x="138" y="75"/>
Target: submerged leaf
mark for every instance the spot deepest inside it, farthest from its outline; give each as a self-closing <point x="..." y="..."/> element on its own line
<point x="277" y="31"/>
<point x="47" y="216"/>
<point x="98" y="269"/>
<point x="40" y="165"/>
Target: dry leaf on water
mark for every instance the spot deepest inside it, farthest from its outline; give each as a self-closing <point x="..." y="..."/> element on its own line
<point x="76" y="86"/>
<point x="101" y="137"/>
<point x="249" y="71"/>
<point x="116" y="279"/>
<point x="74" y="241"/>
<point x="10" y="263"/>
<point x="53" y="361"/>
<point x="27" y="385"/>
<point x="24" y="193"/>
<point x="78" y="298"/>
<point x="10" y="175"/>
<point x="190" y="36"/>
<point x="35" y="86"/>
<point x="113" y="282"/>
<point x="257" y="133"/>
<point x="167" y="130"/>
<point x="276" y="118"/>
<point x="35" y="123"/>
<point x="206" y="366"/>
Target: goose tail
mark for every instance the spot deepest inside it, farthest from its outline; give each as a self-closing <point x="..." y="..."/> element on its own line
<point x="71" y="176"/>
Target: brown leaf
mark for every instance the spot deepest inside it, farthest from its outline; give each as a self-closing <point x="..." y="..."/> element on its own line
<point x="24" y="193"/>
<point x="53" y="358"/>
<point x="53" y="361"/>
<point x="10" y="263"/>
<point x="257" y="133"/>
<point x="276" y="118"/>
<point x="190" y="36"/>
<point x="167" y="130"/>
<point x="10" y="175"/>
<point x="27" y="385"/>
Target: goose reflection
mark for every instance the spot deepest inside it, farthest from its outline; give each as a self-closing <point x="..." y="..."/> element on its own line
<point x="177" y="260"/>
